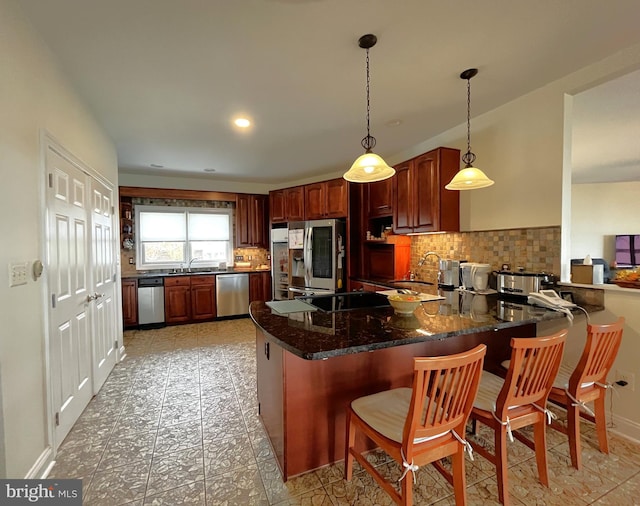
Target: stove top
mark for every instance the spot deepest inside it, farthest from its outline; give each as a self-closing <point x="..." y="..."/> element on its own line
<point x="347" y="301"/>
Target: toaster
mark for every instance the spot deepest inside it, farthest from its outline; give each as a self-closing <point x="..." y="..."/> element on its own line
<point x="523" y="283"/>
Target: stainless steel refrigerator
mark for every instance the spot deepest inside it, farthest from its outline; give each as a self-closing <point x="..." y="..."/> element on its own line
<point x="316" y="257"/>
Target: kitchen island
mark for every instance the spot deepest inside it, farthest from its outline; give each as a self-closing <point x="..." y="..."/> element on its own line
<point x="312" y="364"/>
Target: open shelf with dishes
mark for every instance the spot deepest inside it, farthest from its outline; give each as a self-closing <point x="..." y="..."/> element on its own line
<point x="126" y="223"/>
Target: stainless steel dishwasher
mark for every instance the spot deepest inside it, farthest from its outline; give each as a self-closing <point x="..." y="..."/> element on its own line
<point x="232" y="294"/>
<point x="151" y="301"/>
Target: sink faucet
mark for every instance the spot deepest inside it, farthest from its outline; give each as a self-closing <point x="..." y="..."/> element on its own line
<point x="190" y="262"/>
<point x="422" y="261"/>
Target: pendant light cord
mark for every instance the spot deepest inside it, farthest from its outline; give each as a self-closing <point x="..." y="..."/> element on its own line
<point x="369" y="142"/>
<point x="468" y="158"/>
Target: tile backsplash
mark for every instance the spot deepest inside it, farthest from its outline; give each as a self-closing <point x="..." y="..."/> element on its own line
<point x="534" y="249"/>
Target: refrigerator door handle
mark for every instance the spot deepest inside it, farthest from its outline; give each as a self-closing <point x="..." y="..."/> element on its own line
<point x="308" y="252"/>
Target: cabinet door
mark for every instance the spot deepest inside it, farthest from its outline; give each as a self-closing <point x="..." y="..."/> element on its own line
<point x="243" y="221"/>
<point x="294" y="203"/>
<point x="259" y="225"/>
<point x="277" y="206"/>
<point x="314" y="198"/>
<point x="403" y="195"/>
<point x="336" y="191"/>
<point x="259" y="286"/>
<point x="266" y="286"/>
<point x="203" y="298"/>
<point x="379" y="195"/>
<point x="426" y="195"/>
<point x="177" y="300"/>
<point x="270" y="389"/>
<point x="129" y="302"/>
<point x="251" y="221"/>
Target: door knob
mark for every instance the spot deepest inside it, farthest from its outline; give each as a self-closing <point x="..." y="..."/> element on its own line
<point x="94" y="296"/>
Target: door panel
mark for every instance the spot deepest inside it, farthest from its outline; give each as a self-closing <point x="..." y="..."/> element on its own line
<point x="70" y="345"/>
<point x="103" y="265"/>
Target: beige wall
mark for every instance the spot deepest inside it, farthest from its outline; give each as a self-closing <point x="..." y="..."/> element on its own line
<point x="599" y="211"/>
<point x="35" y="96"/>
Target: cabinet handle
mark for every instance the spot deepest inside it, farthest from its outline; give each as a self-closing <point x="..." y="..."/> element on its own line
<point x="266" y="350"/>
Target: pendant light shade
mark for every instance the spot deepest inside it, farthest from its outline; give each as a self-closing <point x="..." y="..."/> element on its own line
<point x="469" y="178"/>
<point x="369" y="167"/>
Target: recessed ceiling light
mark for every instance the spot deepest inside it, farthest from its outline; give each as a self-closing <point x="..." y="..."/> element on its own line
<point x="394" y="122"/>
<point x="209" y="170"/>
<point x="156" y="166"/>
<point x="242" y="122"/>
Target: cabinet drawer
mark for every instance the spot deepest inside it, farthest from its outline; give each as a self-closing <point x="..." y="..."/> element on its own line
<point x="203" y="280"/>
<point x="177" y="281"/>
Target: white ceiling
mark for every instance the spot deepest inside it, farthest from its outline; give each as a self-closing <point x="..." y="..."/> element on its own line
<point x="165" y="77"/>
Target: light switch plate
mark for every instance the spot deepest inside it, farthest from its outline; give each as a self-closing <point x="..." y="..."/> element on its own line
<point x="18" y="273"/>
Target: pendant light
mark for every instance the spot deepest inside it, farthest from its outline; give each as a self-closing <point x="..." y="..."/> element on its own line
<point x="469" y="178"/>
<point x="368" y="167"/>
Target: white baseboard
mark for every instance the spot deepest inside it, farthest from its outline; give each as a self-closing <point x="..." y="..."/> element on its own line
<point x="41" y="466"/>
<point x="625" y="428"/>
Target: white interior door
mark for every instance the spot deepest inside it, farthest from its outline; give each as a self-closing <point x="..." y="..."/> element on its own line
<point x="68" y="285"/>
<point x="103" y="268"/>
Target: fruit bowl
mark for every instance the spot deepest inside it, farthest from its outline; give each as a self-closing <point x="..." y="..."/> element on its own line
<point x="404" y="304"/>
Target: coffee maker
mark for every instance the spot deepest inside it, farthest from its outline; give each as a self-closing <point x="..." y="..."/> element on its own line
<point x="449" y="273"/>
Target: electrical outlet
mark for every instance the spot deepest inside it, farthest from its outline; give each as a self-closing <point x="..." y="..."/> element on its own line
<point x="18" y="273"/>
<point x="627" y="377"/>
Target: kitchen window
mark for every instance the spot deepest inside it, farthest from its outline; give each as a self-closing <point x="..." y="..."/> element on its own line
<point x="174" y="237"/>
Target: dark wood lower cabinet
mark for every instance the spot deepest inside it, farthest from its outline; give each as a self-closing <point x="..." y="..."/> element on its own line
<point x="177" y="299"/>
<point x="302" y="403"/>
<point x="259" y="286"/>
<point x="203" y="298"/>
<point x="130" y="302"/>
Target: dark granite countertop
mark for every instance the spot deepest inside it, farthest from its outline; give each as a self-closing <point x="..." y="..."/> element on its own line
<point x="317" y="335"/>
<point x="167" y="274"/>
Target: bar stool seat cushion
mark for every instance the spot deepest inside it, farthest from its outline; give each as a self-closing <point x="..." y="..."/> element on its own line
<point x="386" y="412"/>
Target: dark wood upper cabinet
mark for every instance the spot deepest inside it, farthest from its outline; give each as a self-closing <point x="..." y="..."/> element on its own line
<point x="277" y="202"/>
<point x="327" y="199"/>
<point x="379" y="198"/>
<point x="294" y="203"/>
<point x="251" y="221"/>
<point x="287" y="204"/>
<point x="421" y="202"/>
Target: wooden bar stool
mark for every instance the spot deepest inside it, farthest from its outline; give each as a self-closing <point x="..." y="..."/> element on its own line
<point x="587" y="382"/>
<point x="519" y="400"/>
<point x="420" y="425"/>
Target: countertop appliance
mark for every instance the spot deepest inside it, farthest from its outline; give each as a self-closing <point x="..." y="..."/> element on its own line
<point x="316" y="257"/>
<point x="280" y="263"/>
<point x="449" y="275"/>
<point x="523" y="283"/>
<point x="151" y="300"/>
<point x="232" y="294"/>
<point x="347" y="301"/>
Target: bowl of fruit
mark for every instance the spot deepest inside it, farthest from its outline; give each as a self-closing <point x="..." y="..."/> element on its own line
<point x="628" y="278"/>
<point x="404" y="304"/>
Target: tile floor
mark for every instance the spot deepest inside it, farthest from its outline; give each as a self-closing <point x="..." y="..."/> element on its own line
<point x="176" y="423"/>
